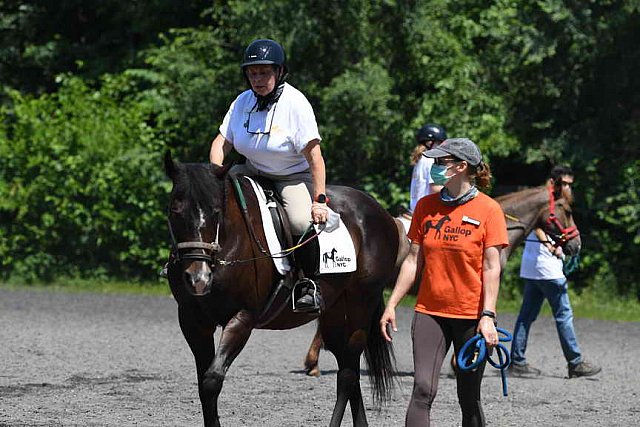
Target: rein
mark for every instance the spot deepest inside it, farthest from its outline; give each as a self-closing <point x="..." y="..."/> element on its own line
<point x="282" y="254"/>
<point x="245" y="214"/>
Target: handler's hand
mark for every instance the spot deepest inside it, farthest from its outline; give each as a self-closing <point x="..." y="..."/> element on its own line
<point x="388" y="319"/>
<point x="319" y="213"/>
<point x="558" y="253"/>
<point x="488" y="330"/>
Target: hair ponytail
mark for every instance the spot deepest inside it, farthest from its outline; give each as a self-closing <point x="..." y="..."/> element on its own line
<point x="482" y="175"/>
<point x="417" y="153"/>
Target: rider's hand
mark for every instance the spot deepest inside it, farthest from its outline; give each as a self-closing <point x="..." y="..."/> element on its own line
<point x="319" y="212"/>
<point x="387" y="320"/>
<point x="487" y="328"/>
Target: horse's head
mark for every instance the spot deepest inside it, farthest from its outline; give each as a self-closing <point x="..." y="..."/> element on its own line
<point x="194" y="214"/>
<point x="557" y="221"/>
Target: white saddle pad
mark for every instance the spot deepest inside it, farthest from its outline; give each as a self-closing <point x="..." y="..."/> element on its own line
<point x="337" y="252"/>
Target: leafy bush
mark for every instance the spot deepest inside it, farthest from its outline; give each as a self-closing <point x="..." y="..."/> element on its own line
<point x="81" y="184"/>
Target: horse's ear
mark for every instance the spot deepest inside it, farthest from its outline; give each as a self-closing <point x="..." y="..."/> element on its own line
<point x="170" y="166"/>
<point x="221" y="171"/>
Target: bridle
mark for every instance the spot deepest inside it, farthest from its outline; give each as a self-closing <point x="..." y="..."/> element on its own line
<point x="209" y="249"/>
<point x="566" y="233"/>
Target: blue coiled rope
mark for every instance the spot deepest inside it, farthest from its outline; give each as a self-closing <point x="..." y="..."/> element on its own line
<point x="474" y="352"/>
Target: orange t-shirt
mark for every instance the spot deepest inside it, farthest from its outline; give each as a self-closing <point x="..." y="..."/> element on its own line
<point x="453" y="240"/>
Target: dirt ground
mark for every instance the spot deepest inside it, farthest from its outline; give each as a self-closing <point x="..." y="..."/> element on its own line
<point x="104" y="360"/>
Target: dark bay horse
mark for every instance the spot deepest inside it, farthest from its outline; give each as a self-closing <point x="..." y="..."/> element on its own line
<point x="524" y="210"/>
<point x="220" y="277"/>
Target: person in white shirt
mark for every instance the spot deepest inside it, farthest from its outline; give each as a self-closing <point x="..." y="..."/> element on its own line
<point x="542" y="270"/>
<point x="273" y="125"/>
<point x="429" y="136"/>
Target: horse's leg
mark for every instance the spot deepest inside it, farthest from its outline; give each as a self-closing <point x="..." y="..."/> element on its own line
<point x="364" y="336"/>
<point x="233" y="339"/>
<point x="200" y="340"/>
<point x="358" y="323"/>
<point x="311" y="361"/>
<point x="347" y="354"/>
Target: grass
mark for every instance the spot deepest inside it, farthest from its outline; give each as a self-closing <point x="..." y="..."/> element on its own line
<point x="159" y="288"/>
<point x="587" y="304"/>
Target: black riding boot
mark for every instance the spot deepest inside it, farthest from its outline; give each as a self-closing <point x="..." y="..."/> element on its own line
<point x="307" y="289"/>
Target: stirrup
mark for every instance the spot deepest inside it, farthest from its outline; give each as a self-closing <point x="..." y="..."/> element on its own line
<point x="306" y="287"/>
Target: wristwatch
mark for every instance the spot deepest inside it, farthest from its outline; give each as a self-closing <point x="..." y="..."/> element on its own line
<point x="322" y="198"/>
<point x="489" y="313"/>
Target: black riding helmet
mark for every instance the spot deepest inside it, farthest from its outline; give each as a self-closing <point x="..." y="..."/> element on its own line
<point x="266" y="51"/>
<point x="431" y="132"/>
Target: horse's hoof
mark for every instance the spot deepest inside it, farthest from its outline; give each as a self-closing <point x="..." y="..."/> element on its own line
<point x="313" y="372"/>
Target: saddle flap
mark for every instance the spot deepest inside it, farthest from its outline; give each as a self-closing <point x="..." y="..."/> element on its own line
<point x="282" y="264"/>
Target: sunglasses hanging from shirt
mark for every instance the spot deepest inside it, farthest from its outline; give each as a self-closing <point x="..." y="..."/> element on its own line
<point x="257" y="121"/>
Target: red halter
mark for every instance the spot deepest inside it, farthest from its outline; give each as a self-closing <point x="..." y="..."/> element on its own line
<point x="567" y="233"/>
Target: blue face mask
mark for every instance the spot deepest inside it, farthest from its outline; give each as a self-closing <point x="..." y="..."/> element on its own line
<point x="438" y="174"/>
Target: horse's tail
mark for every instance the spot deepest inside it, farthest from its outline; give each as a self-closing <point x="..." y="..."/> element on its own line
<point x="380" y="359"/>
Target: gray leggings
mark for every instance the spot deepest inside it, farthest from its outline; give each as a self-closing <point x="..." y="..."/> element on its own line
<point x="432" y="336"/>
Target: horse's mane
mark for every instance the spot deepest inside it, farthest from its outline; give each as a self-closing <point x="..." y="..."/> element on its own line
<point x="517" y="196"/>
<point x="198" y="185"/>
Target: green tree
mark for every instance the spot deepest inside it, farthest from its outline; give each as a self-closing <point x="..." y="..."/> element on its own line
<point x="43" y="38"/>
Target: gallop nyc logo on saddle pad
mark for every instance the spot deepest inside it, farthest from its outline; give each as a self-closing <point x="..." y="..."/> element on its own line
<point x="337" y="260"/>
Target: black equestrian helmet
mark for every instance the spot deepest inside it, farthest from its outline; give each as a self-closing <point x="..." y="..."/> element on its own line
<point x="264" y="51"/>
<point x="431" y="132"/>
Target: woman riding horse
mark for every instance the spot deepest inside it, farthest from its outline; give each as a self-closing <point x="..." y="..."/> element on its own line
<point x="272" y="124"/>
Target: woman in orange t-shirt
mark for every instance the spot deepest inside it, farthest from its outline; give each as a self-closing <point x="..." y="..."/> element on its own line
<point x="456" y="239"/>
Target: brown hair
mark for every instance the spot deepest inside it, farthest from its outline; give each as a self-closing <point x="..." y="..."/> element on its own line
<point x="482" y="175"/>
<point x="417" y="153"/>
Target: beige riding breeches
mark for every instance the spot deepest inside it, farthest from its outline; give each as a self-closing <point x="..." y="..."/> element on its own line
<point x="295" y="191"/>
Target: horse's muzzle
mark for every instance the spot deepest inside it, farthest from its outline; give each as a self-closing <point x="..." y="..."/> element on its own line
<point x="198" y="278"/>
<point x="572" y="247"/>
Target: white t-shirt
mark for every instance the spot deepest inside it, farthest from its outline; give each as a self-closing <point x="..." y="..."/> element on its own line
<point x="272" y="140"/>
<point x="420" y="180"/>
<point x="538" y="263"/>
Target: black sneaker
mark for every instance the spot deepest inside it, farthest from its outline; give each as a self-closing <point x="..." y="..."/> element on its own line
<point x="525" y="370"/>
<point x="583" y="369"/>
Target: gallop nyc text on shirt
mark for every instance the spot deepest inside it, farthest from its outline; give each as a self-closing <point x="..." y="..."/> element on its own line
<point x="453" y="240"/>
